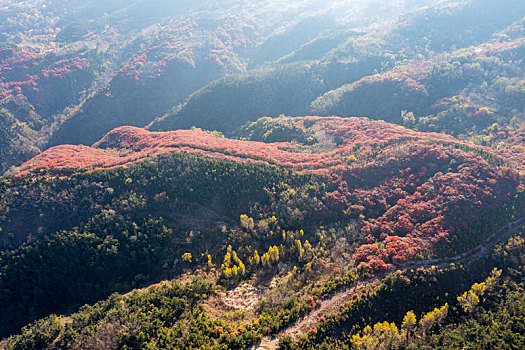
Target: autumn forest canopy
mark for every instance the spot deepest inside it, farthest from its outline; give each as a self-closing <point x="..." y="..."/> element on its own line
<point x="281" y="174"/>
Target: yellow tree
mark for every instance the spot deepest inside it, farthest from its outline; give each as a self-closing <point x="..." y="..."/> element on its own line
<point x="186" y="257"/>
<point x="468" y="301"/>
<point x="273" y="253"/>
<point x="256" y="260"/>
<point x="409" y="323"/>
<point x="427" y="322"/>
<point x="232" y="266"/>
<point x="247" y="222"/>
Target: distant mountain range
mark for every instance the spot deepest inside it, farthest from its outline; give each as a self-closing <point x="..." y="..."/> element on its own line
<point x="72" y="72"/>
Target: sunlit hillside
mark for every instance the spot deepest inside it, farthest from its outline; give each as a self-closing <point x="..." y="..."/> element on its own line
<point x="271" y="174"/>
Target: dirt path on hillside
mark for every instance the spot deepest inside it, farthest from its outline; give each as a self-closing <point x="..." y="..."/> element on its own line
<point x="335" y="301"/>
<point x="328" y="306"/>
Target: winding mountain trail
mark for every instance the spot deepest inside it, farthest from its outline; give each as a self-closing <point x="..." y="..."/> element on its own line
<point x="336" y="300"/>
<point x="329" y="305"/>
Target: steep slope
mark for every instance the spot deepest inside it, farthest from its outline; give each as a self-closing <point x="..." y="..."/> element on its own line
<point x="419" y="36"/>
<point x="457" y="93"/>
<point x="165" y="72"/>
<point x="230" y="102"/>
<point x="55" y="56"/>
<point x="398" y="224"/>
<point x="215" y="41"/>
<point x="34" y="88"/>
<point x="393" y="193"/>
<point x="145" y="57"/>
<point x="128" y="63"/>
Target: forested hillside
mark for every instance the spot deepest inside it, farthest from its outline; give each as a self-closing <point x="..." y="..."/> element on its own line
<point x="278" y="174"/>
<point x="343" y="83"/>
<point x="126" y="63"/>
<point x="141" y="206"/>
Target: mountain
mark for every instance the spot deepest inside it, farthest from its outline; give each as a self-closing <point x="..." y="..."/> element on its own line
<point x="126" y="63"/>
<point x="396" y="194"/>
<point x="201" y="63"/>
<point x="328" y="86"/>
<point x="269" y="174"/>
<point x="466" y="91"/>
